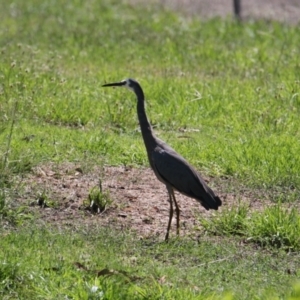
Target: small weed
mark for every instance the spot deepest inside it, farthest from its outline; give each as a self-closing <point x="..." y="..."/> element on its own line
<point x="98" y="199"/>
<point x="42" y="200"/>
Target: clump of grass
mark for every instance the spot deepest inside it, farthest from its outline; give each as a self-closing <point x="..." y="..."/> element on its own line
<point x="4" y="171"/>
<point x="43" y="200"/>
<point x="295" y="295"/>
<point x="9" y="278"/>
<point x="98" y="199"/>
<point x="276" y="226"/>
<point x="232" y="221"/>
<point x="2" y="201"/>
<point x="10" y="215"/>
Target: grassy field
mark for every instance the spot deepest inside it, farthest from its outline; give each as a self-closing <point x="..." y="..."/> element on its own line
<point x="224" y="94"/>
<point x="44" y="264"/>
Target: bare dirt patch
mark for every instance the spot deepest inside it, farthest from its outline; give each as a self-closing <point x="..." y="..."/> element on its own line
<point x="140" y="201"/>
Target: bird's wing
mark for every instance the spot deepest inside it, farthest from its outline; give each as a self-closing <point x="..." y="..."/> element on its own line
<point x="174" y="170"/>
<point x="177" y="172"/>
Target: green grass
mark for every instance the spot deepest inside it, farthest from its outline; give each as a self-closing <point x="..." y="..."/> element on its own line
<point x="224" y="94"/>
<point x="275" y="226"/>
<point x="68" y="264"/>
<point x="237" y="84"/>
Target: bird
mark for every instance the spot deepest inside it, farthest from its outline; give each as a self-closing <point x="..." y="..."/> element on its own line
<point x="169" y="167"/>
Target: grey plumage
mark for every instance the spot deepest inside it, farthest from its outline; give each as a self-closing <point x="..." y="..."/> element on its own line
<point x="170" y="167"/>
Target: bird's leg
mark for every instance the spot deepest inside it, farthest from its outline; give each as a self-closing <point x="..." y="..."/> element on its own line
<point x="177" y="213"/>
<point x="171" y="212"/>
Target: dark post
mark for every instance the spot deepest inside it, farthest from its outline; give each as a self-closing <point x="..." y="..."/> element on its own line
<point x="237" y="9"/>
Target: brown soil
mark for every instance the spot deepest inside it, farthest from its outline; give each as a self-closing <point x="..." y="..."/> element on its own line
<point x="140" y="201"/>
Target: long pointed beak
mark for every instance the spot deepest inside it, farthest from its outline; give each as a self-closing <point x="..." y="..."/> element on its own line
<point x="115" y="84"/>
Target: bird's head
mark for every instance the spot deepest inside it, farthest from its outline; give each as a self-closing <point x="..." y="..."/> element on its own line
<point x="129" y="83"/>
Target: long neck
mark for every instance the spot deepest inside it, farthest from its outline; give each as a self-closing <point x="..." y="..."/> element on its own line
<point x="146" y="128"/>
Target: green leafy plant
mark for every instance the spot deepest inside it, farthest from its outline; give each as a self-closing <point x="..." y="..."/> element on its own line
<point x="99" y="199"/>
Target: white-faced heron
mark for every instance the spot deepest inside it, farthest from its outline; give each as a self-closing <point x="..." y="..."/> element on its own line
<point x="170" y="167"/>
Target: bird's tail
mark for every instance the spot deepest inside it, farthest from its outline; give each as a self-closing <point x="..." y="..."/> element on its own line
<point x="210" y="200"/>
